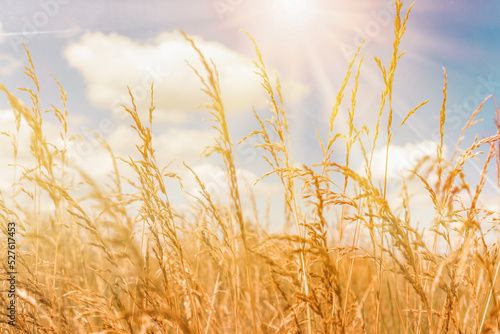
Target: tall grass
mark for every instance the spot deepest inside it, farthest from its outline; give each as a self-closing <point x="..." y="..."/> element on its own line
<point x="109" y="261"/>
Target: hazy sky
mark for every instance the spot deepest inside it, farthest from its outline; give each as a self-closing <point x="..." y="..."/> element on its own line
<point x="96" y="48"/>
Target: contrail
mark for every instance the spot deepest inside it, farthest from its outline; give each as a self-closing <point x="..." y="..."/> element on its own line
<point x="38" y="32"/>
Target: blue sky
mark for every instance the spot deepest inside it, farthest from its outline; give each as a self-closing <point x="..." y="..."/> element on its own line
<point x="96" y="48"/>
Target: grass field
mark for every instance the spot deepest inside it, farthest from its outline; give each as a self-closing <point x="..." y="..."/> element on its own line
<point x="349" y="260"/>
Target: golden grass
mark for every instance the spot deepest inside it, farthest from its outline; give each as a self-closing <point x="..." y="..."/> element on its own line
<point x="110" y="268"/>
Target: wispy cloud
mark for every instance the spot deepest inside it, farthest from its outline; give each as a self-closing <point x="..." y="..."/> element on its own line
<point x="110" y="62"/>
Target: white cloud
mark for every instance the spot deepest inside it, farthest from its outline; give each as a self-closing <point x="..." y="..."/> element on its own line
<point x="173" y="143"/>
<point x="8" y="64"/>
<point x="111" y="62"/>
<point x="90" y="157"/>
<point x="401" y="159"/>
<point x="183" y="144"/>
<point x="8" y="127"/>
<point x="11" y="176"/>
<point x="214" y="179"/>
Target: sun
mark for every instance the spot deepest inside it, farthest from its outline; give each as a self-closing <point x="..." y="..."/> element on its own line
<point x="293" y="13"/>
